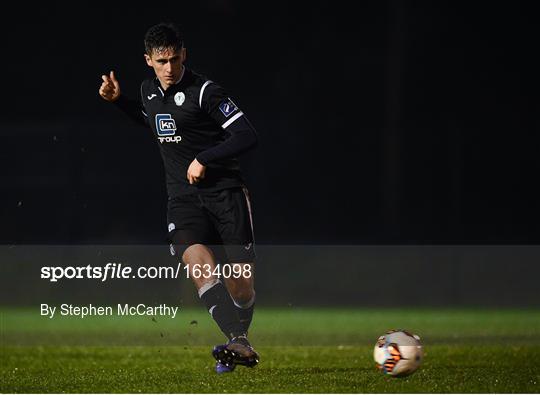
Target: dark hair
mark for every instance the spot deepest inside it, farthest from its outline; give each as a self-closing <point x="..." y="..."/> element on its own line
<point x="162" y="36"/>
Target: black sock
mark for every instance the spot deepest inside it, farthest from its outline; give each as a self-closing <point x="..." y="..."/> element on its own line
<point x="222" y="309"/>
<point x="245" y="315"/>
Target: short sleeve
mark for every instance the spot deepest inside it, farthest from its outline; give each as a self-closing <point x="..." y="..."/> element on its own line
<point x="215" y="101"/>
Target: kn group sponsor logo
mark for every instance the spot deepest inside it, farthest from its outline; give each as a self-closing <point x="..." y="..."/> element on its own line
<point x="166" y="129"/>
<point x="165" y="125"/>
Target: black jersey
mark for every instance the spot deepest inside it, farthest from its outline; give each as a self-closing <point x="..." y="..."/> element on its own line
<point x="195" y="118"/>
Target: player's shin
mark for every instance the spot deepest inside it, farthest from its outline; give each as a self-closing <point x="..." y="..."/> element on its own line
<point x="243" y="294"/>
<point x="212" y="291"/>
<point x="245" y="313"/>
<point x="221" y="308"/>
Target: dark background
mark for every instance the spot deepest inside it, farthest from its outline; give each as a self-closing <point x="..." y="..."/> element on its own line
<point x="381" y="122"/>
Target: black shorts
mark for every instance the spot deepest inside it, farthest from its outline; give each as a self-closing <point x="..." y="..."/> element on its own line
<point x="220" y="220"/>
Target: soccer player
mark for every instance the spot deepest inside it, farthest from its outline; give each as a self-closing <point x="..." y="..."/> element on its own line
<point x="200" y="132"/>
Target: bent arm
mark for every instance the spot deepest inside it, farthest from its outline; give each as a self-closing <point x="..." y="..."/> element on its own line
<point x="243" y="137"/>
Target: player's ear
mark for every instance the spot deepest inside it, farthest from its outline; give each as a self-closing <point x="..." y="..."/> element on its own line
<point x="183" y="54"/>
<point x="148" y="60"/>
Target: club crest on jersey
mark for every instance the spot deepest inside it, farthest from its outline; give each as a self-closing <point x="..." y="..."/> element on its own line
<point x="166" y="129"/>
<point x="227" y="107"/>
<point x="179" y="98"/>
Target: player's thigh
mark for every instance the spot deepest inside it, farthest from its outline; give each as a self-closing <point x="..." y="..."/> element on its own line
<point x="188" y="224"/>
<point x="232" y="218"/>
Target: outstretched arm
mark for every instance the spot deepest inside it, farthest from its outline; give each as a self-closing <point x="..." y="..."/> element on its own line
<point x="110" y="91"/>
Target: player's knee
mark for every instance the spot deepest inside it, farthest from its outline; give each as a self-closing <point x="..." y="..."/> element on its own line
<point x="243" y="296"/>
<point x="197" y="254"/>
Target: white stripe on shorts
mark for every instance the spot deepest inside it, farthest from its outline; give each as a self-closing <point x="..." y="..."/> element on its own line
<point x="248" y="202"/>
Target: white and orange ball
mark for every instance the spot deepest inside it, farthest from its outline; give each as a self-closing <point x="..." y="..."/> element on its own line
<point x="398" y="353"/>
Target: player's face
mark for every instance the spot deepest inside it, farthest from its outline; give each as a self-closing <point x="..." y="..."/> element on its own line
<point x="167" y="65"/>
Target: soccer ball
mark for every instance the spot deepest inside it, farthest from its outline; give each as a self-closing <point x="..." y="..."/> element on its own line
<point x="398" y="353"/>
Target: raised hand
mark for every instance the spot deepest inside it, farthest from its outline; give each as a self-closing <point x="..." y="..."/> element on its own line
<point x="110" y="88"/>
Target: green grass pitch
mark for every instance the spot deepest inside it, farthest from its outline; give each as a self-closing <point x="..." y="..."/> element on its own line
<point x="302" y="351"/>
